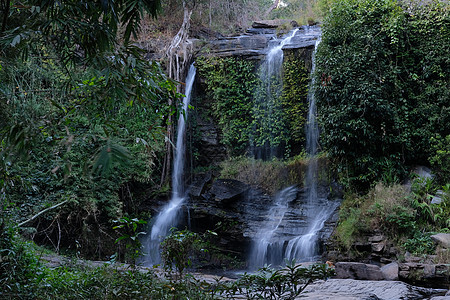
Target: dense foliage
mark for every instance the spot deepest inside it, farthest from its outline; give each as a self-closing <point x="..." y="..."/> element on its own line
<point x="229" y="85"/>
<point x="24" y="276"/>
<point x="244" y="110"/>
<point x="383" y="86"/>
<point x="85" y="110"/>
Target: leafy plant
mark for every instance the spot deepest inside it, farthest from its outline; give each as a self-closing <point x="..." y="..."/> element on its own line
<point x="176" y="249"/>
<point x="374" y="61"/>
<point x="128" y="229"/>
<point x="440" y="157"/>
<point x="420" y="243"/>
<point x="285" y="283"/>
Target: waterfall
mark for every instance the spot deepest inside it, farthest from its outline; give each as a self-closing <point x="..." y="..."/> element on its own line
<point x="304" y="246"/>
<point x="291" y="233"/>
<point x="268" y="247"/>
<point x="168" y="217"/>
<point x="267" y="109"/>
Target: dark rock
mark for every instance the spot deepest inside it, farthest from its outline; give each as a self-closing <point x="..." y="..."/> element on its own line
<point x="204" y="33"/>
<point x="253" y="44"/>
<point x="336" y="191"/>
<point x="268" y="31"/>
<point x="376" y="238"/>
<point x="378" y="247"/>
<point x="360" y="271"/>
<point x="433" y="275"/>
<point x="197" y="186"/>
<point x="228" y="189"/>
<point x="270" y="23"/>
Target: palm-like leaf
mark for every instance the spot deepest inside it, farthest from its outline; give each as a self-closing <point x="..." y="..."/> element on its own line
<point x="108" y="156"/>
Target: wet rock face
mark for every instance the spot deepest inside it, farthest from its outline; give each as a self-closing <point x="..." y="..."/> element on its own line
<point x="381" y="255"/>
<point x="241" y="210"/>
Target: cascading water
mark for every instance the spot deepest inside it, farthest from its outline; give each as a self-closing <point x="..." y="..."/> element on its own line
<point x="268" y="246"/>
<point x="304" y="247"/>
<point x="267" y="110"/>
<point x="298" y="243"/>
<point x="168" y="217"/>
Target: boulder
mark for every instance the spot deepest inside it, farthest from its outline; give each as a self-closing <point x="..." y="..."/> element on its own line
<point x="423" y="172"/>
<point x="197" y="186"/>
<point x="437" y="199"/>
<point x="434" y="275"/>
<point x="442" y="239"/>
<point x="376" y="238"/>
<point x="361" y="271"/>
<point x="390" y="271"/>
<point x="226" y="190"/>
<point x="379" y="246"/>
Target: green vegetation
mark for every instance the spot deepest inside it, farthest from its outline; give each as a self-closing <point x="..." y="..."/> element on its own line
<point x="407" y="218"/>
<point x="81" y="118"/>
<point x="275" y="174"/>
<point x="230" y="85"/>
<point x="383" y="87"/>
<point x="177" y="248"/>
<point x="24" y="276"/>
<point x="286" y="283"/>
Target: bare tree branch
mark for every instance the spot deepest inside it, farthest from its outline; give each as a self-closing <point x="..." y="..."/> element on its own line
<point x="42" y="212"/>
<point x="275" y="5"/>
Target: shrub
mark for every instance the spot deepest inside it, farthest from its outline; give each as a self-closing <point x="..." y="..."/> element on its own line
<point x="382" y="86"/>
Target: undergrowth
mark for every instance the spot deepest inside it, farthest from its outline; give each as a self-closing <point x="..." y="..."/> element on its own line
<point x="407" y="218"/>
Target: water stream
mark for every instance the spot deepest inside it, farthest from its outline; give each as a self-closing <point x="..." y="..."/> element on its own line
<point x="300" y="243"/>
<point x="268" y="109"/>
<point x="169" y="215"/>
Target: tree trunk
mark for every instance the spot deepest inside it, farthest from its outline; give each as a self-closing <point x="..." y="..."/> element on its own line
<point x="179" y="54"/>
<point x="274" y="5"/>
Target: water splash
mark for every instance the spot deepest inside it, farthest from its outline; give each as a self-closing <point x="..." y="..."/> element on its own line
<point x="280" y="238"/>
<point x="169" y="215"/>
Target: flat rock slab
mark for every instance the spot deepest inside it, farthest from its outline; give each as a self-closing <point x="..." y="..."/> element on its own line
<point x="228" y="189"/>
<point x="367" y="290"/>
<point x="270" y="23"/>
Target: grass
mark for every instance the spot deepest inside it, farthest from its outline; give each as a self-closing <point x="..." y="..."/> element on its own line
<point x="390" y="209"/>
<point x="272" y="175"/>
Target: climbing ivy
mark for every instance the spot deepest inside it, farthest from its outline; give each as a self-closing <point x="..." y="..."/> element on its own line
<point x="247" y="112"/>
<point x="295" y="90"/>
<point x="229" y="84"/>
